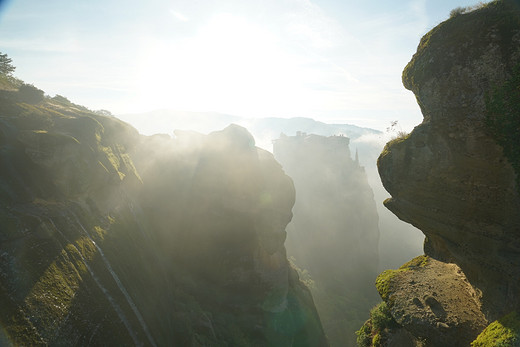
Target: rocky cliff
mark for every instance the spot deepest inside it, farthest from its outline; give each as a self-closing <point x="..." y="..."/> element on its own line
<point x="112" y="238"/>
<point x="454" y="178"/>
<point x="334" y="232"/>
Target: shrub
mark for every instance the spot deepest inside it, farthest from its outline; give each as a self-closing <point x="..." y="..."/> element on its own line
<point x="466" y="9"/>
<point x="456" y="11"/>
<point x="105" y="113"/>
<point x="364" y="335"/>
<point x="61" y="99"/>
<point x="381" y="320"/>
<point x="381" y="317"/>
<point x="30" y="94"/>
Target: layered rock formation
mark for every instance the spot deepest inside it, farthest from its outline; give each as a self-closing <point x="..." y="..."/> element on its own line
<point x="334" y="233"/>
<point x="453" y="177"/>
<point x="111" y="238"/>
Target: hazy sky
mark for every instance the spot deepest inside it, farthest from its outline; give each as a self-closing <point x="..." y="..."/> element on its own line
<point x="330" y="60"/>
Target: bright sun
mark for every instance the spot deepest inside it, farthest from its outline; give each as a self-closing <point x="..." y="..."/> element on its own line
<point x="231" y="66"/>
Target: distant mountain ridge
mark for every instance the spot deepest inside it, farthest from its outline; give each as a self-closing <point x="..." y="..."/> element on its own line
<point x="166" y="121"/>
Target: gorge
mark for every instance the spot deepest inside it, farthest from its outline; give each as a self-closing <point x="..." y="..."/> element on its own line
<point x="112" y="237"/>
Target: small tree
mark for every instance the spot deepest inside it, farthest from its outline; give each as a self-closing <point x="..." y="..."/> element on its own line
<point x="6" y="66"/>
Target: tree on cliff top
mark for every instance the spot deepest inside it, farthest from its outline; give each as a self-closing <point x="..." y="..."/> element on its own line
<point x="6" y="66"/>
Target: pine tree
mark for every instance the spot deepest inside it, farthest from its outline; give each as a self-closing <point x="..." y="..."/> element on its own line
<point x="6" y="67"/>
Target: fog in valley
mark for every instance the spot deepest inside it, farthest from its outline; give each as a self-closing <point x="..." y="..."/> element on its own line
<point x="340" y="236"/>
<point x="398" y="242"/>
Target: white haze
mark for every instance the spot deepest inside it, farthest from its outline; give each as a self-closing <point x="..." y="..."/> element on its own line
<point x="399" y="241"/>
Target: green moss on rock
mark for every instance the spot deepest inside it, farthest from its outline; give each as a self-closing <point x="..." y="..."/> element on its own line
<point x="420" y="261"/>
<point x="383" y="281"/>
<point x="504" y="332"/>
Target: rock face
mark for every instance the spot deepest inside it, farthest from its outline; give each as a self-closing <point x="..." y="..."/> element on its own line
<point x="111" y="238"/>
<point x="452" y="176"/>
<point x="334" y="232"/>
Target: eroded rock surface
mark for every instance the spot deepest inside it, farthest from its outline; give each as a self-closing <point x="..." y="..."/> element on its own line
<point x="450" y="177"/>
<point x="454" y="178"/>
<point x="436" y="303"/>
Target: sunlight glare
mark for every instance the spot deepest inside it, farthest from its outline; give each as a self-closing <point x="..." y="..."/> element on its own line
<point x="231" y="65"/>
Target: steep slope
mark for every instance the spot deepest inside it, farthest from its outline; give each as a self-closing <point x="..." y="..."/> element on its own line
<point x="334" y="232"/>
<point x="454" y="176"/>
<point x="111" y="238"/>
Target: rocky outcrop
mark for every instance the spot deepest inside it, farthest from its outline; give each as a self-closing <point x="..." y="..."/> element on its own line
<point x="219" y="206"/>
<point x="433" y="301"/>
<point x="452" y="176"/>
<point x="334" y="233"/>
<point x="112" y="238"/>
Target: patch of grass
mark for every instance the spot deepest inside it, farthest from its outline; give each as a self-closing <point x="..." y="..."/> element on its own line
<point x="51" y="297"/>
<point x="383" y="281"/>
<point x="420" y="261"/>
<point x="504" y="332"/>
<point x="399" y="138"/>
<point x="100" y="233"/>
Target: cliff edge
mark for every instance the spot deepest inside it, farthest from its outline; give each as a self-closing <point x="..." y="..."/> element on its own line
<point x="455" y="176"/>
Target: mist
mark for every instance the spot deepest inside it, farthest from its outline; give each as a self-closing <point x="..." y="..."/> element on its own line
<point x="340" y="236"/>
<point x="399" y="241"/>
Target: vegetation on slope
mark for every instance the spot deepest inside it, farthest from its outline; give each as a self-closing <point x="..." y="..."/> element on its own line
<point x="373" y="332"/>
